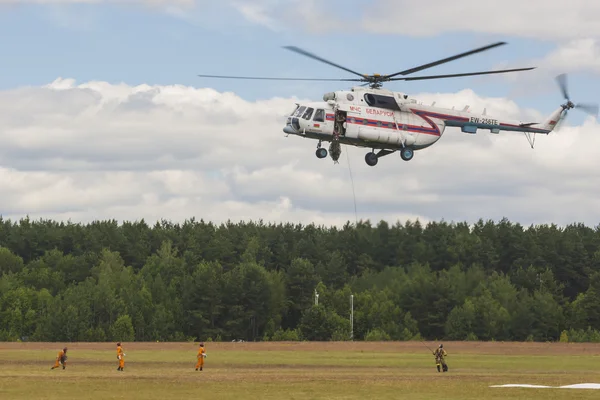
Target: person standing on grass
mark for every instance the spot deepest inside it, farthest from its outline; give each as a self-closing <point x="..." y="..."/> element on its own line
<point x="439" y="354"/>
<point x="200" y="356"/>
<point x="61" y="359"/>
<point x="120" y="357"/>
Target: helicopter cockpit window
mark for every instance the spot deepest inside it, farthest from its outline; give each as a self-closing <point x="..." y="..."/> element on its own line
<point x="295" y="109"/>
<point x="319" y="116"/>
<point x="377" y="100"/>
<point x="308" y="113"/>
<point x="299" y="111"/>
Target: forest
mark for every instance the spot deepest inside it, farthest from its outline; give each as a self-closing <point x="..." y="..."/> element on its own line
<point x="131" y="281"/>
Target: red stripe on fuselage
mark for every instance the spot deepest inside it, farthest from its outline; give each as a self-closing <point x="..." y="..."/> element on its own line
<point x="431" y="114"/>
<point x="433" y="130"/>
<point x="523" y="127"/>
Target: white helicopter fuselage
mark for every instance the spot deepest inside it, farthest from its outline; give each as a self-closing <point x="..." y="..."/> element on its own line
<point x="382" y="119"/>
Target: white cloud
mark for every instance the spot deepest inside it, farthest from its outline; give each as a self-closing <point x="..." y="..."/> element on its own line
<point x="575" y="55"/>
<point x="98" y="150"/>
<point x="572" y="57"/>
<point x="257" y="12"/>
<point x="145" y="2"/>
<point x="303" y="15"/>
<point x="539" y="19"/>
<point x="63" y="16"/>
<point x="574" y="29"/>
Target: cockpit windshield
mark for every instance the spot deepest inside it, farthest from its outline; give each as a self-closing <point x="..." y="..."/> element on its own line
<point x="299" y="111"/>
<point x="308" y="113"/>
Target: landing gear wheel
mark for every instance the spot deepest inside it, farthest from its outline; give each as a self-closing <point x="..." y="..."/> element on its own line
<point x="321" y="152"/>
<point x="407" y="153"/>
<point x="371" y="159"/>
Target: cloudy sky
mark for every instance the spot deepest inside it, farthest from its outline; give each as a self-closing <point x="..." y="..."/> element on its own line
<point x="102" y="114"/>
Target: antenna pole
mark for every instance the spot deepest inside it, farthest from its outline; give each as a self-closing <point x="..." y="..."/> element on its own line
<point x="352" y="317"/>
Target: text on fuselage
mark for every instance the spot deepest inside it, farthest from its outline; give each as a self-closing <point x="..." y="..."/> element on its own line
<point x="487" y="121"/>
<point x="379" y="112"/>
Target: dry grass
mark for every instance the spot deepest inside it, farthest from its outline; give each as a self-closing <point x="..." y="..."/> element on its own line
<point x="341" y="370"/>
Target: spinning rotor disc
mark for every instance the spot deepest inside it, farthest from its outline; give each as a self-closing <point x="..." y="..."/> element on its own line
<point x="376" y="80"/>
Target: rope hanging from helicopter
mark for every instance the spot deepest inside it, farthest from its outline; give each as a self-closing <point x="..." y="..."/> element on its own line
<point x="335" y="150"/>
<point x="353" y="190"/>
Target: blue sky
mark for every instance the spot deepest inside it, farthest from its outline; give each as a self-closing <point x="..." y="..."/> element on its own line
<point x="136" y="44"/>
<point x="155" y="152"/>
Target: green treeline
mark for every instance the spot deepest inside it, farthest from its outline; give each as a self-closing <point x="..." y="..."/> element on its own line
<point x="255" y="281"/>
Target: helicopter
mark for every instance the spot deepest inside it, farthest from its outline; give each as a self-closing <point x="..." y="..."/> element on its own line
<point x="388" y="121"/>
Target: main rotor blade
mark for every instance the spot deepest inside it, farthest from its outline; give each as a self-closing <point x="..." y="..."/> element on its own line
<point x="278" y="79"/>
<point x="417" y="78"/>
<point x="445" y="60"/>
<point x="307" y="54"/>
<point x="562" y="83"/>
<point x="591" y="109"/>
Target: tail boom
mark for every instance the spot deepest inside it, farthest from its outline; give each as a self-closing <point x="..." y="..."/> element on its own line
<point x="470" y="123"/>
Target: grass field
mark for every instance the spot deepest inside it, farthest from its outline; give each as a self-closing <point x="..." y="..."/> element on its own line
<point x="344" y="370"/>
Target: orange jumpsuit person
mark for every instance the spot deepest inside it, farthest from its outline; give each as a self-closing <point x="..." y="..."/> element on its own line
<point x="201" y="356"/>
<point x="120" y="357"/>
<point x="61" y="359"/>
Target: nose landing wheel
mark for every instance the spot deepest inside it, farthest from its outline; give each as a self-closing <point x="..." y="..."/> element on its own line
<point x="321" y="152"/>
<point x="407" y="153"/>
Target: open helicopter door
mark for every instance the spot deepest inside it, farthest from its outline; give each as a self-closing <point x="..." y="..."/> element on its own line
<point x="339" y="127"/>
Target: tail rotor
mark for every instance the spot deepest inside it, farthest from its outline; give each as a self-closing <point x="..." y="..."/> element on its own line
<point x="591" y="109"/>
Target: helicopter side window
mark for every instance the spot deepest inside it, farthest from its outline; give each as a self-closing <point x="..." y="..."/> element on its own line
<point x="319" y="116"/>
<point x="308" y="113"/>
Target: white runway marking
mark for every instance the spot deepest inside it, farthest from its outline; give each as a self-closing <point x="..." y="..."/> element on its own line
<point x="575" y="386"/>
<point x="582" y="386"/>
<point x="524" y="385"/>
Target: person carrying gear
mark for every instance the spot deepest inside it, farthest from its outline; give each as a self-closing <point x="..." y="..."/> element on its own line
<point x="61" y="359"/>
<point x="120" y="357"/>
<point x="439" y="354"/>
<point x="200" y="356"/>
